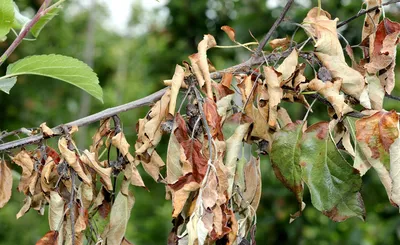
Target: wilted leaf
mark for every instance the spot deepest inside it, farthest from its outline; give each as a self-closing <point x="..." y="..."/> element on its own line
<point x="46" y="130"/>
<point x="288" y="66"/>
<point x="318" y="24"/>
<point x="72" y="159"/>
<point x="213" y="119"/>
<point x="280" y="43"/>
<point x="230" y="32"/>
<point x="89" y="159"/>
<point x="331" y="91"/>
<point x="24" y="160"/>
<point x="50" y="238"/>
<point x="394" y="152"/>
<point x="334" y="185"/>
<point x="375" y="134"/>
<point x="275" y="93"/>
<point x="177" y="81"/>
<point x="119" y="216"/>
<point x="371" y="21"/>
<point x="285" y="158"/>
<point x="376" y="92"/>
<point x="56" y="211"/>
<point x="60" y="67"/>
<point x="383" y="55"/>
<point x="25" y="208"/>
<point x="119" y="141"/>
<point x="6" y="182"/>
<point x="234" y="146"/>
<point x="180" y="196"/>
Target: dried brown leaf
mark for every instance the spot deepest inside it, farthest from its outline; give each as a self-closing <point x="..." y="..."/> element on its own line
<point x="280" y="43"/>
<point x="89" y="159"/>
<point x="46" y="130"/>
<point x="177" y="81"/>
<point x="50" y="238"/>
<point x="6" y="182"/>
<point x="275" y="93"/>
<point x="24" y="160"/>
<point x="72" y="159"/>
<point x="230" y="32"/>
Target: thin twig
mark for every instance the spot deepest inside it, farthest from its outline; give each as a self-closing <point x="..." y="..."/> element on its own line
<point x="87" y="120"/>
<point x="273" y="28"/>
<point x="362" y="12"/>
<point x="40" y="13"/>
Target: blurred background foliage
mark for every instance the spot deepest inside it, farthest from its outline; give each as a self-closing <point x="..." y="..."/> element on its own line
<point x="132" y="64"/>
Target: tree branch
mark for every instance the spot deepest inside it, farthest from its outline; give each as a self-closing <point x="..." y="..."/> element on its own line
<point x="42" y="11"/>
<point x="364" y="11"/>
<point x="86" y="120"/>
<point x="273" y="28"/>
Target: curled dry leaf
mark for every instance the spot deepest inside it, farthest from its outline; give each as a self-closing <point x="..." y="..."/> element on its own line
<point x="120" y="142"/>
<point x="383" y="54"/>
<point x="46" y="130"/>
<point x="48" y="177"/>
<point x="280" y="43"/>
<point x="331" y="91"/>
<point x="24" y="160"/>
<point x="200" y="63"/>
<point x="50" y="238"/>
<point x="6" y="182"/>
<point x="102" y="131"/>
<point x="319" y="24"/>
<point x="288" y="67"/>
<point x="25" y="208"/>
<point x="177" y="81"/>
<point x="72" y="159"/>
<point x="275" y="93"/>
<point x="89" y="159"/>
<point x="230" y="32"/>
<point x="371" y="22"/>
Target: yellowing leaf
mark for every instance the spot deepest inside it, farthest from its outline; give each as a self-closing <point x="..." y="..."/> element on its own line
<point x="394" y="152"/>
<point x="6" y="182"/>
<point x="375" y="135"/>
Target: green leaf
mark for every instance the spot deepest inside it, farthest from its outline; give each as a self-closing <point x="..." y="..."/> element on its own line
<point x="60" y="67"/>
<point x="19" y="20"/>
<point x="37" y="28"/>
<point x="7" y="83"/>
<point x="6" y="16"/>
<point x="334" y="184"/>
<point x="285" y="158"/>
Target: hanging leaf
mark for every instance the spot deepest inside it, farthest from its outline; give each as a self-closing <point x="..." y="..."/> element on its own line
<point x="334" y="184"/>
<point x="6" y="182"/>
<point x="7" y="84"/>
<point x="50" y="238"/>
<point x="375" y="135"/>
<point x="285" y="158"/>
<point x="60" y="67"/>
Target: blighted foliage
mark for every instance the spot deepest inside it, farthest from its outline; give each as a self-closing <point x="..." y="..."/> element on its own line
<point x="217" y="131"/>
